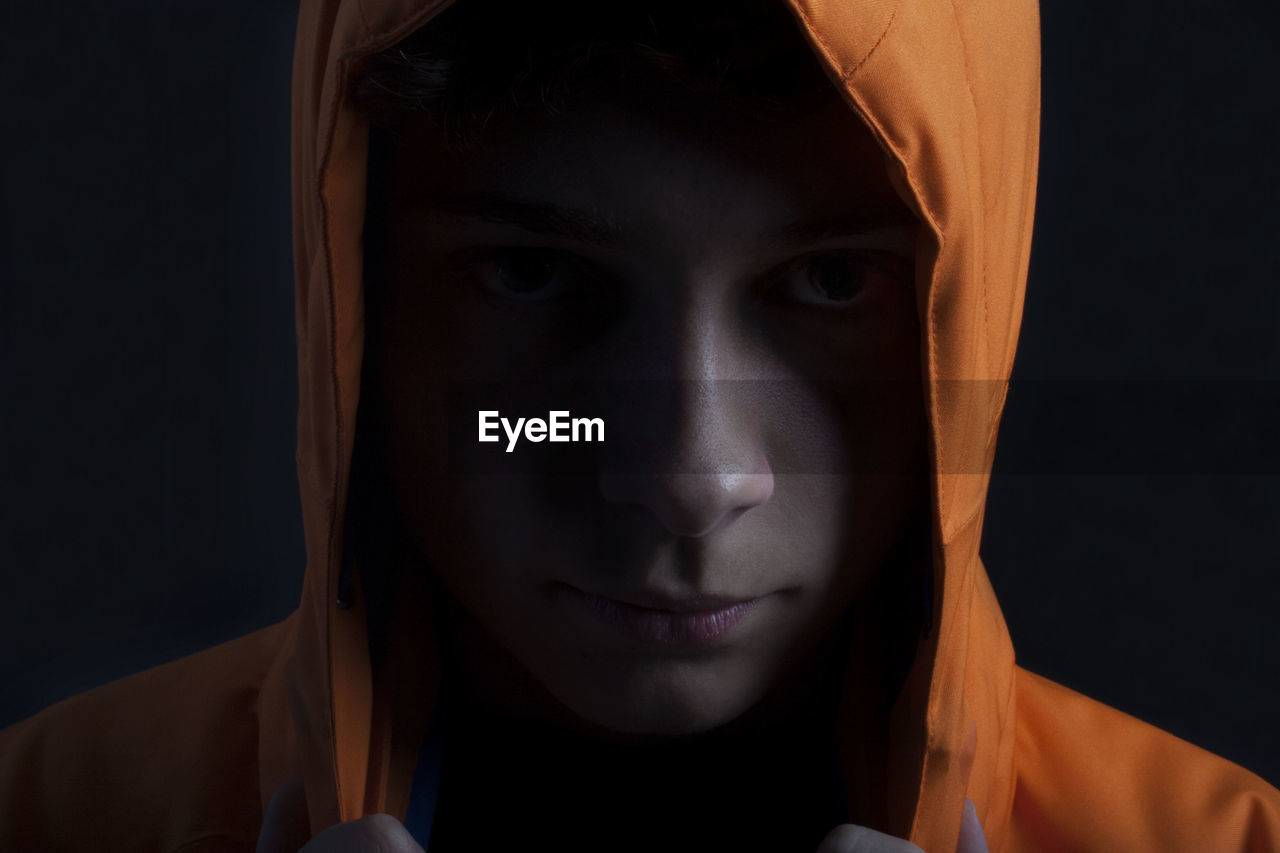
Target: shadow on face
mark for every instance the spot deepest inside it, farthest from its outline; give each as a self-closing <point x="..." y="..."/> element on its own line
<point x="732" y="298"/>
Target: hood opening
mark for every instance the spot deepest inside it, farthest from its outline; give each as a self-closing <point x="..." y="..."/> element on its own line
<point x="951" y="93"/>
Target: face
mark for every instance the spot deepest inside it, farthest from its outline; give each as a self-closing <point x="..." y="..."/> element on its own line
<point x="733" y="297"/>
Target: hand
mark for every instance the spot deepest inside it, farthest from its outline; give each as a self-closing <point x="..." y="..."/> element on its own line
<point x="848" y="838"/>
<point x="286" y="829"/>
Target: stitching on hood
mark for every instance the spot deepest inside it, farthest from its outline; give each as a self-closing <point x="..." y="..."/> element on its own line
<point x="893" y="16"/>
<point x="827" y="53"/>
<point x="980" y="243"/>
<point x="336" y="499"/>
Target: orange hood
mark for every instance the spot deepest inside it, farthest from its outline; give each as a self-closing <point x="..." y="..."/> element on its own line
<point x="950" y="88"/>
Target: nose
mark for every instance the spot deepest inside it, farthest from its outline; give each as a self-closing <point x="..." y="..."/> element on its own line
<point x="690" y="450"/>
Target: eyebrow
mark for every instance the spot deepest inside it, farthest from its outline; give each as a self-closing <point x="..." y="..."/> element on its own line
<point x="818" y="230"/>
<point x="590" y="226"/>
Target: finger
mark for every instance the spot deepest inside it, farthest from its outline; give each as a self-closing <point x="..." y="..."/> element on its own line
<point x="848" y="838"/>
<point x="375" y="833"/>
<point x="286" y="825"/>
<point x="381" y="832"/>
<point x="972" y="838"/>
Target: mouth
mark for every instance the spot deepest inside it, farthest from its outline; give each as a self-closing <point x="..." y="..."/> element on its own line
<point x="660" y="619"/>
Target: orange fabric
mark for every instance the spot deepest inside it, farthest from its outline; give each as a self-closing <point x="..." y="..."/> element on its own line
<point x="186" y="756"/>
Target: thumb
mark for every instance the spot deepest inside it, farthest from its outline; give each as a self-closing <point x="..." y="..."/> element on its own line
<point x="286" y="827"/>
<point x="972" y="839"/>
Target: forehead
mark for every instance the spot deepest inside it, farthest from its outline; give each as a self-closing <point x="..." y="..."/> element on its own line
<point x="675" y="160"/>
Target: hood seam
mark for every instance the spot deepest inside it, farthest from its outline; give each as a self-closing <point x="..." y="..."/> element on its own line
<point x="337" y="504"/>
<point x="827" y="53"/>
<point x="893" y="16"/>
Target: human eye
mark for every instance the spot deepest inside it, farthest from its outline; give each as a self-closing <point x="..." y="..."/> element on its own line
<point x="839" y="279"/>
<point x="526" y="274"/>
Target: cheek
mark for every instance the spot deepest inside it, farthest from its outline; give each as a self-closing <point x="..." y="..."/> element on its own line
<point x="480" y="540"/>
<point x="848" y="454"/>
<point x="850" y="463"/>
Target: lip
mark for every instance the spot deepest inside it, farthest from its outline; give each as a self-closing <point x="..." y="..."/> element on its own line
<point x="659" y="619"/>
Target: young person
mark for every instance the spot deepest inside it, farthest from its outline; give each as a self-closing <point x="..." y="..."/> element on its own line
<point x="777" y="251"/>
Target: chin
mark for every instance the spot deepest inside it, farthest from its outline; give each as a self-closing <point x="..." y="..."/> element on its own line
<point x="668" y="699"/>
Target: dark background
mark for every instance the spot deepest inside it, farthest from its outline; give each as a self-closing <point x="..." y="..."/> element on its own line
<point x="148" y="501"/>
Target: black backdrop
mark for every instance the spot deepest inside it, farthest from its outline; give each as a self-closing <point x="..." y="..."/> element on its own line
<point x="148" y="503"/>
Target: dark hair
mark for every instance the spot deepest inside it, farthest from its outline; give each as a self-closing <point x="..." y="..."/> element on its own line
<point x="479" y="58"/>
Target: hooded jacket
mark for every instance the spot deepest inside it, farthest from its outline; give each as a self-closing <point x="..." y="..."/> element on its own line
<point x="186" y="756"/>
